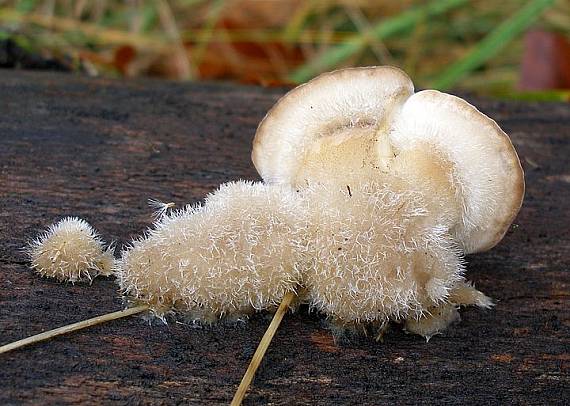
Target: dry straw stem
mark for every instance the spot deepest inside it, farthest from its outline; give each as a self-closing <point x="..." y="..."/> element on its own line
<point x="262" y="348"/>
<point x="72" y="327"/>
<point x="386" y="28"/>
<point x="105" y="35"/>
<point x="158" y="42"/>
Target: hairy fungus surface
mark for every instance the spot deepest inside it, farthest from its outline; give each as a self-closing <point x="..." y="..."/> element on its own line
<point x="373" y="256"/>
<point x="233" y="254"/>
<point x="372" y="197"/>
<point x="371" y="253"/>
<point x="70" y="251"/>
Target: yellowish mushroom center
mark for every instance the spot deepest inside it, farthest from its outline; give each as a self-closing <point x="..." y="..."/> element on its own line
<point x="348" y="156"/>
<point x="352" y="156"/>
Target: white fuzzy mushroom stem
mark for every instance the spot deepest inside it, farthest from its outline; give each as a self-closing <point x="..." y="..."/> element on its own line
<point x="364" y="252"/>
<point x="376" y="254"/>
<point x="234" y="254"/>
<point x="387" y="250"/>
<point x="71" y="251"/>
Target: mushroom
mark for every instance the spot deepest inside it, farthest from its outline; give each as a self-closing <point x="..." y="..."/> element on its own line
<point x="359" y="134"/>
<point x="371" y="197"/>
<point x="362" y="123"/>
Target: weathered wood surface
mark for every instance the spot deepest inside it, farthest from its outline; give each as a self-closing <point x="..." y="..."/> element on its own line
<point x="98" y="149"/>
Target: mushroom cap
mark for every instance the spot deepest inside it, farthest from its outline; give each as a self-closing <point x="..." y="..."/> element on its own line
<point x="352" y="122"/>
<point x="352" y="102"/>
<point x="487" y="170"/>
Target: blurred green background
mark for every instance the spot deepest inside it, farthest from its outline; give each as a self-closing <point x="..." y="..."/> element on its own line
<point x="508" y="48"/>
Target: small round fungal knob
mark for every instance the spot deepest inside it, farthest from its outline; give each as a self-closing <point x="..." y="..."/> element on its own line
<point x="70" y="251"/>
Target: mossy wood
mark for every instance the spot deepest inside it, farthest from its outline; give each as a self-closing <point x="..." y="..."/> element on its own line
<point x="98" y="149"/>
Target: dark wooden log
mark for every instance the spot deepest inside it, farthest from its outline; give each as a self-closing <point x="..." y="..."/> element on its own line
<point x="99" y="148"/>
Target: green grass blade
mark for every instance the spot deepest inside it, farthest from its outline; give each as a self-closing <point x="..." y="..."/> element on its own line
<point x="385" y="29"/>
<point x="491" y="44"/>
<point x="214" y="15"/>
<point x="26" y="6"/>
<point x="149" y="18"/>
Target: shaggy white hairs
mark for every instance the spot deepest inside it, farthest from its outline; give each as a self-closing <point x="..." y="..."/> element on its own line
<point x="373" y="257"/>
<point x="70" y="251"/>
<point x="387" y="250"/>
<point x="233" y="254"/>
<point x="366" y="252"/>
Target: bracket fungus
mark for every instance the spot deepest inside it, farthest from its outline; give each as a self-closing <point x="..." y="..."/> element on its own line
<point x="362" y="123"/>
<point x="371" y="196"/>
<point x="455" y="181"/>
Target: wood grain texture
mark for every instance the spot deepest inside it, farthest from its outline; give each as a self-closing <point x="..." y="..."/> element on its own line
<point x="99" y="149"/>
